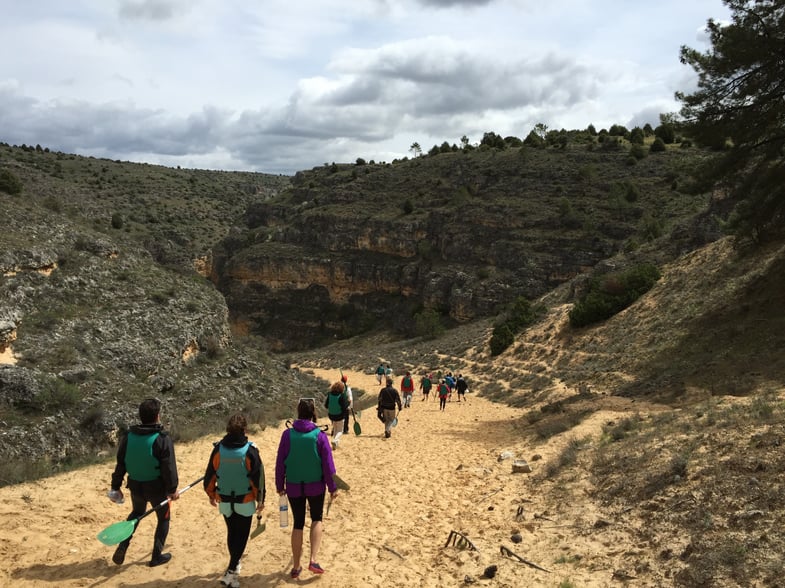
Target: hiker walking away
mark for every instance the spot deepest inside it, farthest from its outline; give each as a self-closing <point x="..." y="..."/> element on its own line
<point x="407" y="389"/>
<point x="234" y="482"/>
<point x="350" y="404"/>
<point x="380" y="373"/>
<point x="425" y="386"/>
<point x="337" y="405"/>
<point x="461" y="387"/>
<point x="450" y="381"/>
<point x="388" y="373"/>
<point x="146" y="454"/>
<point x="443" y="390"/>
<point x="303" y="467"/>
<point x="388" y="398"/>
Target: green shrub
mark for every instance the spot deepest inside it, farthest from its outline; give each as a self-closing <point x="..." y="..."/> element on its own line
<point x="501" y="339"/>
<point x="9" y="183"/>
<point x="657" y="146"/>
<point x="428" y="324"/>
<point x="637" y="151"/>
<point x="612" y="293"/>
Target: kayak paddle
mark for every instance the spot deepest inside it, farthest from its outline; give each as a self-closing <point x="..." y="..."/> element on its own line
<point x="260" y="526"/>
<point x="357" y="430"/>
<point x="339" y="483"/>
<point x="119" y="532"/>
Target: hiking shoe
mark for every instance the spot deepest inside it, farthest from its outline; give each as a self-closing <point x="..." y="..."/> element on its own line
<point x="315" y="568"/>
<point x="231" y="578"/>
<point x="295" y="573"/>
<point x="119" y="554"/>
<point x="160" y="560"/>
<point x="387" y="434"/>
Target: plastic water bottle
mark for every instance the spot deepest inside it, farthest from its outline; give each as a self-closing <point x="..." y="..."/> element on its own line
<point x="115" y="497"/>
<point x="283" y="510"/>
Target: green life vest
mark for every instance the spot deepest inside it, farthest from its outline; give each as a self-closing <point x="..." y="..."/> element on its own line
<point x="426" y="383"/>
<point x="140" y="463"/>
<point x="334" y="403"/>
<point x="303" y="463"/>
<point x="407" y="383"/>
<point x="232" y="481"/>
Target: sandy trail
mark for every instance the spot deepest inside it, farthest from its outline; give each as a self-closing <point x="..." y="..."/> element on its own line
<point x="439" y="472"/>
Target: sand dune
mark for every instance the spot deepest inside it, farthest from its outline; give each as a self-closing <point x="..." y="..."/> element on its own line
<point x="438" y="473"/>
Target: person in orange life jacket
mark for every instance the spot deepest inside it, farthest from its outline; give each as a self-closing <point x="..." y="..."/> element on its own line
<point x="146" y="454"/>
<point x="443" y="391"/>
<point x="407" y="389"/>
<point x="234" y="482"/>
<point x="337" y="406"/>
<point x="303" y="468"/>
<point x="388" y="398"/>
<point x="350" y="401"/>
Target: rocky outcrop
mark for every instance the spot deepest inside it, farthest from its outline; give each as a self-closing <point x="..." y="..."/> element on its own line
<point x="310" y="277"/>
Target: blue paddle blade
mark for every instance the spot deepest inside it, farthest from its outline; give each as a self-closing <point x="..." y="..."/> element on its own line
<point x="117" y="532"/>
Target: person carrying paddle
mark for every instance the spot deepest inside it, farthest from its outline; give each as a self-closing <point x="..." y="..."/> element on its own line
<point x="388" y="398"/>
<point x="303" y="468"/>
<point x="350" y="404"/>
<point x="146" y="454"/>
<point x="234" y="482"/>
<point x="337" y="406"/>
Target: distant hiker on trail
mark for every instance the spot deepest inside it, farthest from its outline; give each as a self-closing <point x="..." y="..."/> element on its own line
<point x="407" y="389"/>
<point x="380" y="373"/>
<point x="303" y="467"/>
<point x="234" y="481"/>
<point x="349" y="406"/>
<point x="425" y="386"/>
<point x="337" y="406"/>
<point x="388" y="398"/>
<point x="146" y="453"/>
<point x="461" y="387"/>
<point x="388" y="371"/>
<point x="450" y="381"/>
<point x="443" y="391"/>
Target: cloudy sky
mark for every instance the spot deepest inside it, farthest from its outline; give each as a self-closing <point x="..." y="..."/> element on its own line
<point x="282" y="85"/>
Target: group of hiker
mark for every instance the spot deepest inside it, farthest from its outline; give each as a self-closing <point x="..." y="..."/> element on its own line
<point x="445" y="386"/>
<point x="234" y="481"/>
<point x="389" y="396"/>
<point x="234" y="478"/>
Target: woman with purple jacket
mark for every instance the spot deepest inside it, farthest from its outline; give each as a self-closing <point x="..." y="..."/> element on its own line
<point x="303" y="469"/>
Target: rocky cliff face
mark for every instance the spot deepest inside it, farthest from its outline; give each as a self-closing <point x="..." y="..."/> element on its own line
<point x="334" y="256"/>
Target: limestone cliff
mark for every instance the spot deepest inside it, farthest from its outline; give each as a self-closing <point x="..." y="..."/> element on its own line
<point x="342" y="251"/>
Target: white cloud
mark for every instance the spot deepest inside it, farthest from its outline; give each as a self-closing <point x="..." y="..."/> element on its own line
<point x="280" y="86"/>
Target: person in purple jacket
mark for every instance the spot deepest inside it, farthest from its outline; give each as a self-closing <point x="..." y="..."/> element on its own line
<point x="303" y="468"/>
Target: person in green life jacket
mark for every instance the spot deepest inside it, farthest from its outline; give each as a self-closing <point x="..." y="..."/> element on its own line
<point x="303" y="468"/>
<point x="380" y="373"/>
<point x="337" y="405"/>
<point x="443" y="390"/>
<point x="146" y="454"/>
<point x="234" y="482"/>
<point x="407" y="389"/>
<point x="425" y="385"/>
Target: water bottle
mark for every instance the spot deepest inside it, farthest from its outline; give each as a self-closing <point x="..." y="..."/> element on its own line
<point x="115" y="496"/>
<point x="283" y="509"/>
